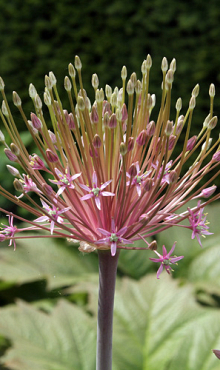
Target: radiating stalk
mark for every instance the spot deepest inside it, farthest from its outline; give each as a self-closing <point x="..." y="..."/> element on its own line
<point x="107" y="278"/>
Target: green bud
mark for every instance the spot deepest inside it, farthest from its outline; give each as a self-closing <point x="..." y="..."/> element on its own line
<point x="123" y="149"/>
<point x="124" y="73"/>
<point x="179" y="105"/>
<point x="47" y="97"/>
<point x="113" y="100"/>
<point x="52" y="78"/>
<point x="108" y="91"/>
<point x="212" y="91"/>
<point x="72" y="71"/>
<point x="48" y="83"/>
<point x="4" y="109"/>
<point x="95" y="81"/>
<point x="38" y="102"/>
<point x="195" y="91"/>
<point x="67" y="84"/>
<point x="164" y="64"/>
<point x="192" y="103"/>
<point x="133" y="78"/>
<point x="18" y="185"/>
<point x="149" y="61"/>
<point x="81" y="103"/>
<point x="14" y="148"/>
<point x="173" y="65"/>
<point x="32" y="91"/>
<point x="2" y="84"/>
<point x="138" y="87"/>
<point x="144" y="68"/>
<point x="130" y="88"/>
<point x="78" y="64"/>
<point x="169" y="77"/>
<point x="16" y="99"/>
<point x="212" y="123"/>
<point x="169" y="128"/>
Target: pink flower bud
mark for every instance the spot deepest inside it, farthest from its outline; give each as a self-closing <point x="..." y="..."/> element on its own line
<point x="142" y="138"/>
<point x="113" y="121"/>
<point x="97" y="141"/>
<point x="172" y="140"/>
<point x="216" y="156"/>
<point x="12" y="157"/>
<point x="130" y="143"/>
<point x="191" y="143"/>
<point x="47" y="189"/>
<point x="150" y="128"/>
<point x="36" y="122"/>
<point x="124" y="113"/>
<point x="51" y="156"/>
<point x="2" y="237"/>
<point x="71" y="122"/>
<point x="94" y="115"/>
<point x="132" y="170"/>
<point x="148" y="184"/>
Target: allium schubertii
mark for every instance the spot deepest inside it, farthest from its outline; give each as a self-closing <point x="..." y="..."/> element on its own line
<point x="113" y="178"/>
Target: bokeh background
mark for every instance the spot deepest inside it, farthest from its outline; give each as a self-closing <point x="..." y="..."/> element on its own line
<point x="54" y="279"/>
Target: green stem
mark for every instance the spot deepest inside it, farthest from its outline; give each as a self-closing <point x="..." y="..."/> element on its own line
<point x="107" y="278"/>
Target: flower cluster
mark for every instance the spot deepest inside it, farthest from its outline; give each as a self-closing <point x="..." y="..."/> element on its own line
<point x="113" y="176"/>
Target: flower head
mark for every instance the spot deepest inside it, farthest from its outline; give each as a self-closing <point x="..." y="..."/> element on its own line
<point x="119" y="177"/>
<point x="9" y="232"/>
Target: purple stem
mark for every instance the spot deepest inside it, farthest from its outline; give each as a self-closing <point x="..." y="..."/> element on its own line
<point x="107" y="278"/>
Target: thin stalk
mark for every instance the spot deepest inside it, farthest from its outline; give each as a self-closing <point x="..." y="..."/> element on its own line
<point x="107" y="278"/>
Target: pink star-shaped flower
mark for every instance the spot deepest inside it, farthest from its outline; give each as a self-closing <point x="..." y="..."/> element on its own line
<point x="198" y="223"/>
<point x="96" y="191"/>
<point x="166" y="260"/>
<point x="54" y="212"/>
<point x="9" y="231"/>
<point x="65" y="180"/>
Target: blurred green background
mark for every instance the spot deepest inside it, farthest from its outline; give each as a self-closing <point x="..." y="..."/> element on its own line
<point x="55" y="282"/>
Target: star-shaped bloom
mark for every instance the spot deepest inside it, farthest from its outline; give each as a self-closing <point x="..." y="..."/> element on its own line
<point x="166" y="260"/>
<point x="29" y="185"/>
<point x="54" y="212"/>
<point x="96" y="191"/>
<point x="198" y="223"/>
<point x="65" y="180"/>
<point x="9" y="231"/>
<point x="113" y="238"/>
<point x="138" y="179"/>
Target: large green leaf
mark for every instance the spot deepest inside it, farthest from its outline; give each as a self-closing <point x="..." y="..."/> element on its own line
<point x="35" y="259"/>
<point x="158" y="323"/>
<point x="63" y="340"/>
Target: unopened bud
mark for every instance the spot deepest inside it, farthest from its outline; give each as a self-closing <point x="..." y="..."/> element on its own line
<point x="169" y="77"/>
<point x="179" y="105"/>
<point x="81" y="103"/>
<point x="2" y="84"/>
<point x="216" y="156"/>
<point x="48" y="83"/>
<point x="151" y="128"/>
<point x="14" y="148"/>
<point x="208" y="146"/>
<point x="108" y="91"/>
<point x="148" y="184"/>
<point x="206" y="193"/>
<point x="94" y="115"/>
<point x="113" y="121"/>
<point x="12" y="157"/>
<point x="130" y="88"/>
<point x="212" y="123"/>
<point x="72" y="71"/>
<point x="172" y="178"/>
<point x="164" y="64"/>
<point x="47" y="189"/>
<point x="169" y="128"/>
<point x="113" y="99"/>
<point x="97" y="141"/>
<point x="149" y="101"/>
<point x="32" y="91"/>
<point x="95" y="81"/>
<point x="67" y="84"/>
<point x="106" y="119"/>
<point x="37" y="124"/>
<point x="18" y="185"/>
<point x="192" y="103"/>
<point x="4" y="109"/>
<point x="142" y="138"/>
<point x="124" y="73"/>
<point x="34" y="130"/>
<point x="195" y="91"/>
<point x="123" y="149"/>
<point x="47" y="97"/>
<point x="191" y="143"/>
<point x="16" y="99"/>
<point x="206" y="121"/>
<point x="51" y="156"/>
<point x="78" y="64"/>
<point x="173" y="65"/>
<point x="172" y="140"/>
<point x="133" y="78"/>
<point x="13" y="171"/>
<point x="148" y="61"/>
<point x="52" y="78"/>
<point x="179" y="126"/>
<point x="212" y="91"/>
<point x="130" y="143"/>
<point x="144" y="67"/>
<point x="38" y="102"/>
<point x="153" y="245"/>
<point x="124" y="113"/>
<point x="132" y="171"/>
<point x="138" y="87"/>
